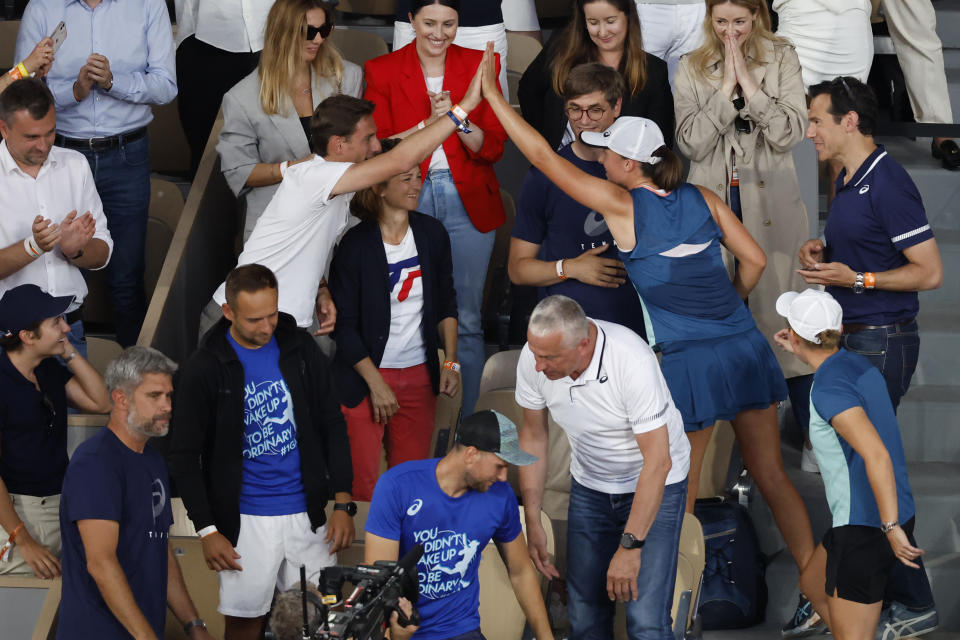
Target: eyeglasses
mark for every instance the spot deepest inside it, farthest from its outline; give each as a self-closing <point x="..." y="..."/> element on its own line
<point x="594" y="113"/>
<point x="846" y="87"/>
<point x="324" y="30"/>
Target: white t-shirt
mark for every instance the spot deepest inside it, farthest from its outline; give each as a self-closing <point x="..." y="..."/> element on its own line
<point x="620" y="394"/>
<point x="439" y="158"/>
<point x="405" y="346"/>
<point x="296" y="234"/>
<point x="231" y="25"/>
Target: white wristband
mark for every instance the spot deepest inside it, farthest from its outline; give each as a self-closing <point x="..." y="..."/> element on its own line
<point x="560" y="273"/>
<point x="459" y="112"/>
<point x="421" y="125"/>
<point x="283" y="168"/>
<point x="32" y="248"/>
<point x="203" y="533"/>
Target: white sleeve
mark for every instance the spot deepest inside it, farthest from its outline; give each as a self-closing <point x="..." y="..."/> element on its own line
<point x="90" y="201"/>
<point x="528" y="393"/>
<point x="643" y="388"/>
<point x="319" y="178"/>
<point x="520" y="15"/>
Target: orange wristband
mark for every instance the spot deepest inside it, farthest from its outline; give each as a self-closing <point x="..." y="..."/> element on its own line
<point x="16" y="530"/>
<point x="869" y="280"/>
<point x="453" y="366"/>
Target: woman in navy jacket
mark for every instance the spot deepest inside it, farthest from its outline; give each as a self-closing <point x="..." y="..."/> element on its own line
<point x="392" y="280"/>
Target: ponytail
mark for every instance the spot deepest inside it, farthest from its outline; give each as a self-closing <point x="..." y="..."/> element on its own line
<point x="666" y="174"/>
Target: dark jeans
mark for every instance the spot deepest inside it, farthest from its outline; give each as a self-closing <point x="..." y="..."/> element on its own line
<point x="895" y="352"/>
<point x="122" y="177"/>
<point x="595" y="524"/>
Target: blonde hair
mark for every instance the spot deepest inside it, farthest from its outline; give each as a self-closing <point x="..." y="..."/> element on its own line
<point x="283" y="42"/>
<point x="829" y="339"/>
<point x="713" y="46"/>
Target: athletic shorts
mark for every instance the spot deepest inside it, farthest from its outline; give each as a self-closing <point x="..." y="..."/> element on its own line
<point x="859" y="560"/>
<point x="271" y="549"/>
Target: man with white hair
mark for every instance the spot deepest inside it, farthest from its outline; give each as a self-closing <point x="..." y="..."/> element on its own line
<point x="119" y="571"/>
<point x="629" y="461"/>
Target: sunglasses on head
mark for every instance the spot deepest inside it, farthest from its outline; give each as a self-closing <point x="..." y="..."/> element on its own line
<point x="324" y="30"/>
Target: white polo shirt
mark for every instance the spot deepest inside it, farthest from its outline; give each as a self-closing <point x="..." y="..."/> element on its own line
<point x="620" y="394"/>
<point x="296" y="234"/>
<point x="64" y="183"/>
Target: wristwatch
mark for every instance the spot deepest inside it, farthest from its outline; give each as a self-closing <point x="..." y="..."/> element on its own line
<point x="194" y="623"/>
<point x="887" y="527"/>
<point x="858" y="283"/>
<point x="629" y="541"/>
<point x="349" y="507"/>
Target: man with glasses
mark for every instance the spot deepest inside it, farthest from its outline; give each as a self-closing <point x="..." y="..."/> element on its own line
<point x="558" y="244"/>
<point x="35" y="389"/>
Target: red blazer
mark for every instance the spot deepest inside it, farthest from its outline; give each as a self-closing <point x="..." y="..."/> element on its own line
<point x="396" y="85"/>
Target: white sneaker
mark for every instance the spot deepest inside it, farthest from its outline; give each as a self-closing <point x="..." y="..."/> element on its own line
<point x="808" y="461"/>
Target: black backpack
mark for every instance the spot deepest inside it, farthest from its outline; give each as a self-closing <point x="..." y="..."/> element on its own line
<point x="733" y="594"/>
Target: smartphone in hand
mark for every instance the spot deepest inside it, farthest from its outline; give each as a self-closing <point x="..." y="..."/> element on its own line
<point x="59" y="35"/>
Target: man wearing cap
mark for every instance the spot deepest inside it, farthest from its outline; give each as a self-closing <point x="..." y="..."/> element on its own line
<point x="855" y="435"/>
<point x="35" y="389"/>
<point x="629" y="460"/>
<point x="53" y="223"/>
<point x="453" y="506"/>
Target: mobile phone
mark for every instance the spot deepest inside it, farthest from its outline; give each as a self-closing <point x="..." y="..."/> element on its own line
<point x="59" y="35"/>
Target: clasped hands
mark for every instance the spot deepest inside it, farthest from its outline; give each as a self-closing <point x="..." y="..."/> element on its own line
<point x="71" y="235"/>
<point x="735" y="70"/>
<point x="95" y="71"/>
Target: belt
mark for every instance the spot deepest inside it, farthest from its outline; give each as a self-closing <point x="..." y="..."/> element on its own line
<point x="100" y="144"/>
<point x="857" y="327"/>
<point x="75" y="315"/>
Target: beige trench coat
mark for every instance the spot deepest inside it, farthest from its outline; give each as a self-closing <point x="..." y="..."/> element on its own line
<point x="773" y="211"/>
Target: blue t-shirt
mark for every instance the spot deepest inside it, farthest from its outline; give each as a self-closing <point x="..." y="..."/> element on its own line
<point x="846" y="380"/>
<point x="873" y="218"/>
<point x="409" y="506"/>
<point x="106" y="480"/>
<point x="271" y="484"/>
<point x="564" y="229"/>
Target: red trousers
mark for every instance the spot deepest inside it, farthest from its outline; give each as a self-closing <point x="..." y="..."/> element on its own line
<point x="406" y="437"/>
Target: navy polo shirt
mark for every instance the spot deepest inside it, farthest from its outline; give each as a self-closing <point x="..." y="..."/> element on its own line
<point x="873" y="218"/>
<point x="474" y="13"/>
<point x="33" y="431"/>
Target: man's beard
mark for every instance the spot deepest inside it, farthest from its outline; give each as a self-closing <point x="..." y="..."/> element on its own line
<point x="147" y="427"/>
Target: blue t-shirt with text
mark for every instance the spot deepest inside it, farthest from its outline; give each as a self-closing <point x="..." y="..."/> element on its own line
<point x="409" y="506"/>
<point x="271" y="483"/>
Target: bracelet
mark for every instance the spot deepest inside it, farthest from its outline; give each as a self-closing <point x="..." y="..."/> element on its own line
<point x="461" y="125"/>
<point x="452" y="365"/>
<point x="198" y="622"/>
<point x="32" y="248"/>
<point x="70" y="357"/>
<point x="206" y="531"/>
<point x="421" y="125"/>
<point x="887" y="527"/>
<point x="459" y="112"/>
<point x="869" y="280"/>
<point x="560" y="273"/>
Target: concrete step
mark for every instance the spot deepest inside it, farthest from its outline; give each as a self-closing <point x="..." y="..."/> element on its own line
<point x="939" y="343"/>
<point x="948" y="295"/>
<point x="939" y="188"/>
<point x="928" y="417"/>
<point x="948" y="23"/>
<point x="936" y="493"/>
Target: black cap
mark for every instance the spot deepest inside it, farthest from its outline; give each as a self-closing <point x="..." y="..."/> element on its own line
<point x="494" y="432"/>
<point x="26" y="305"/>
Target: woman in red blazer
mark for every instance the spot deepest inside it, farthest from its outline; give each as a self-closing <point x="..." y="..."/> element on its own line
<point x="412" y="87"/>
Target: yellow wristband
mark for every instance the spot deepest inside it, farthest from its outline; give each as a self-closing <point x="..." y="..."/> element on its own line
<point x="23" y="71"/>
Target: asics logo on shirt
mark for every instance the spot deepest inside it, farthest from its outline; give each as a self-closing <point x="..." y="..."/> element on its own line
<point x="864" y="189"/>
<point x="415" y="507"/>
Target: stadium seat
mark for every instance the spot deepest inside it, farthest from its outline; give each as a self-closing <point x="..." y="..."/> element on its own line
<point x="368" y="7"/>
<point x="553" y="8"/>
<point x="521" y="50"/>
<point x="100" y="351"/>
<point x="716" y="461"/>
<point x="357" y="45"/>
<point x="500" y="371"/>
<point x="692" y="557"/>
<point x="446" y="418"/>
<point x="202" y="584"/>
<point x="169" y="152"/>
<point x="8" y="41"/>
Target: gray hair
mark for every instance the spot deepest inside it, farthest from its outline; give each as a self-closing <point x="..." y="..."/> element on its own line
<point x="559" y="314"/>
<point x="126" y="371"/>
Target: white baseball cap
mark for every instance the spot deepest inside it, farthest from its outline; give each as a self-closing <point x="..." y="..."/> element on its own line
<point x="631" y="137"/>
<point x="810" y="313"/>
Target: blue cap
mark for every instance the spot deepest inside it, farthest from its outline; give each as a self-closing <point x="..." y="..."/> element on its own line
<point x="494" y="432"/>
<point x="26" y="305"/>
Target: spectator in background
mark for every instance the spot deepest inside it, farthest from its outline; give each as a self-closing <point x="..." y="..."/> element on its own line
<point x="671" y="28"/>
<point x="35" y="389"/>
<point x="481" y="21"/>
<point x="560" y="245"/>
<point x="119" y="570"/>
<point x="266" y="116"/>
<point x="832" y="37"/>
<point x="392" y="280"/>
<point x="218" y="44"/>
<point x="37" y="64"/>
<point x="117" y="60"/>
<point x="43" y="189"/>
<point x="417" y="85"/>
<point x="879" y="251"/>
<point x="740" y="110"/>
<point x="604" y="31"/>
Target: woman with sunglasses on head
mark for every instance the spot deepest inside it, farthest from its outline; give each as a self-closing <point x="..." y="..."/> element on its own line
<point x="413" y="87"/>
<point x="266" y="116"/>
<point x="605" y="31"/>
<point x="392" y="278"/>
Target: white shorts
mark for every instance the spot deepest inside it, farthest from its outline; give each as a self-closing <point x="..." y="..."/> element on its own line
<point x="271" y="549"/>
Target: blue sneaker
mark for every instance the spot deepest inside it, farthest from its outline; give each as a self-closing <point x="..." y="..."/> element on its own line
<point x="898" y="622"/>
<point x="805" y="622"/>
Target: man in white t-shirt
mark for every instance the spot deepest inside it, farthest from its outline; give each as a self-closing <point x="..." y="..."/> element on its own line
<point x="629" y="460"/>
<point x="295" y="235"/>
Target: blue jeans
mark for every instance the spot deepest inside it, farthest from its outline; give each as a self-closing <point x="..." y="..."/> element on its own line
<point x="596" y="522"/>
<point x="895" y="352"/>
<point x="471" y="251"/>
<point x="122" y="177"/>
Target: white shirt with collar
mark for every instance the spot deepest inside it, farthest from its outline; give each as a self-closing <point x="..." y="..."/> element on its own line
<point x="63" y="184"/>
<point x="621" y="393"/>
<point x="231" y="25"/>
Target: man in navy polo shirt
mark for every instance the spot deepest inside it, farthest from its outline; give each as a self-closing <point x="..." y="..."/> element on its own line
<point x="560" y="245"/>
<point x="35" y="389"/>
<point x="878" y="252"/>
